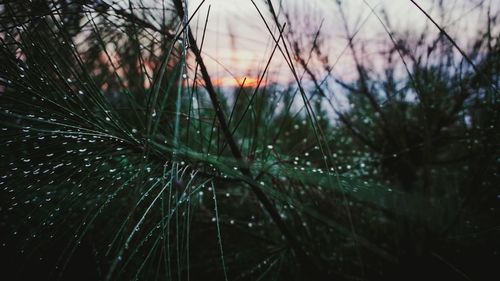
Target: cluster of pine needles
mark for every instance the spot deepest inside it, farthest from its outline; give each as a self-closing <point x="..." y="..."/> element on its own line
<point x="121" y="160"/>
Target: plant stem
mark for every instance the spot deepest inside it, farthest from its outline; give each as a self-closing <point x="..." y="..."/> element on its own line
<point x="310" y="266"/>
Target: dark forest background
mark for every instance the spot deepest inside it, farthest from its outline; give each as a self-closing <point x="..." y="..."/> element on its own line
<point x="120" y="160"/>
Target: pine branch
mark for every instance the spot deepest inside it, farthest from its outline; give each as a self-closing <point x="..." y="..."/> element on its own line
<point x="261" y="196"/>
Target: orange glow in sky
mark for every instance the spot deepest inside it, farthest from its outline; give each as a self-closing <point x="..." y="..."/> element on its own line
<point x="238" y="82"/>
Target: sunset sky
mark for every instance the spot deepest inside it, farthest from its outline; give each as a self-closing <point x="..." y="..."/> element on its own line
<point x="238" y="44"/>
